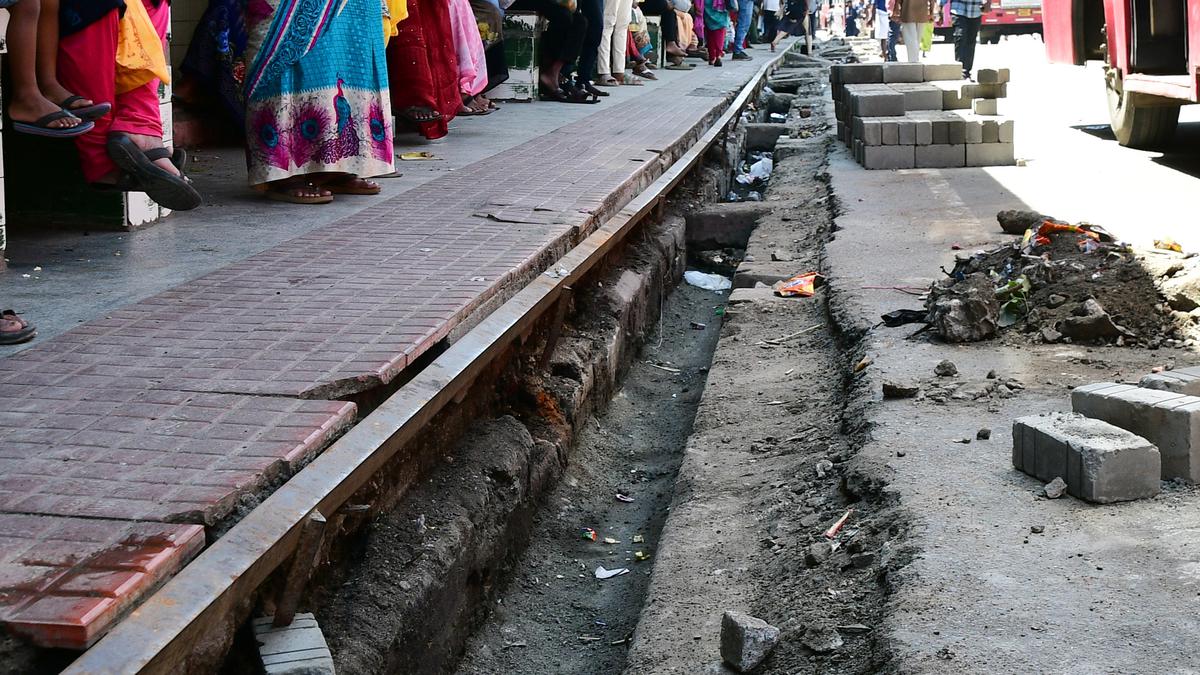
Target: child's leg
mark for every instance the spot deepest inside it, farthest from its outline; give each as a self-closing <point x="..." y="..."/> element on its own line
<point x="28" y="104"/>
<point x="47" y="57"/>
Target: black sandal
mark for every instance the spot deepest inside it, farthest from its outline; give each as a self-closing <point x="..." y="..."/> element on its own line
<point x="174" y="192"/>
<point x="591" y="89"/>
<point x="577" y="94"/>
<point x="88" y="112"/>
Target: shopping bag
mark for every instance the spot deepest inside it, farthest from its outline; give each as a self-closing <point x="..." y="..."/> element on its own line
<point x="140" y="55"/>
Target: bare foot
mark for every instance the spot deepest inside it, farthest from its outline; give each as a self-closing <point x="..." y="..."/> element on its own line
<point x="29" y="109"/>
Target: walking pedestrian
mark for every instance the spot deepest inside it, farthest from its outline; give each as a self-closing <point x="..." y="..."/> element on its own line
<point x="745" y="15"/>
<point x="914" y="16"/>
<point x="967" y="15"/>
<point x="877" y="16"/>
<point x="716" y="22"/>
<point x="771" y="10"/>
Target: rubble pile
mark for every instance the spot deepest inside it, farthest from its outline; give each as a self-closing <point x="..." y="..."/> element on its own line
<point x="1059" y="283"/>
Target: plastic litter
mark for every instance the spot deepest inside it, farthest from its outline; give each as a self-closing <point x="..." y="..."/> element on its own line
<point x="610" y="540"/>
<point x="588" y="533"/>
<point x="416" y="156"/>
<point x="709" y="282"/>
<point x="640" y="556"/>
<point x="638" y="539"/>
<point x="624" y="498"/>
<point x="833" y="530"/>
<point x="602" y="573"/>
<point x="1168" y="244"/>
<point x="759" y="171"/>
<point x="801" y="285"/>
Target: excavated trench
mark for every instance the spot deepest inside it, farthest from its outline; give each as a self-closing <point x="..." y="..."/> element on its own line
<point x="478" y="551"/>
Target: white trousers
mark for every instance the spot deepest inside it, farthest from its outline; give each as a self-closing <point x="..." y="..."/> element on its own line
<point x="612" y="44"/>
<point x="911" y="33"/>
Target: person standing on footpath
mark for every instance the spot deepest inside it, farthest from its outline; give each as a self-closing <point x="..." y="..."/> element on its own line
<point x="967" y="15"/>
<point x="914" y="15"/>
<point x="745" y="15"/>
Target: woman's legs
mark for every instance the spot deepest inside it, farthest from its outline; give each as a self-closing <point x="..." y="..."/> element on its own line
<point x="554" y="39"/>
<point x="911" y="33"/>
<point x="670" y="30"/>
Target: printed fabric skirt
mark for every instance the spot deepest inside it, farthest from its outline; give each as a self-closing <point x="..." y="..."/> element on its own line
<point x="316" y="90"/>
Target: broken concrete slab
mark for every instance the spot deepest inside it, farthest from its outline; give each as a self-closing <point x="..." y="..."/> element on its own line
<point x="1169" y="420"/>
<point x="1099" y="462"/>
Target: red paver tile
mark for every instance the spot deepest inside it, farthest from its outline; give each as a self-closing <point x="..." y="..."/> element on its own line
<point x="65" y="581"/>
<point x="146" y="454"/>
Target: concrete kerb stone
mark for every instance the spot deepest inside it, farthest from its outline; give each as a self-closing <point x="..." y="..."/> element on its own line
<point x="877" y="103"/>
<point x="1168" y="419"/>
<point x="857" y="73"/>
<point x="985" y="106"/>
<point x="943" y="71"/>
<point x="296" y="649"/>
<point x="903" y="72"/>
<point x="1006" y="131"/>
<point x="889" y="132"/>
<point x="991" y="131"/>
<point x="991" y="154"/>
<point x="940" y="156"/>
<point x="1100" y="462"/>
<point x="906" y="132"/>
<point x="1179" y="381"/>
<point x="889" y="157"/>
<point x="923" y="132"/>
<point x="992" y="75"/>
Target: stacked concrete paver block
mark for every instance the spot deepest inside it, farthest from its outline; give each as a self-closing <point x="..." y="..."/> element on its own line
<point x="1169" y="420"/>
<point x="1100" y="462"/>
<point x="914" y="115"/>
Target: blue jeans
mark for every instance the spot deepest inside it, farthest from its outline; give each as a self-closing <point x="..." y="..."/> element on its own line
<point x="742" y="29"/>
<point x="893" y="39"/>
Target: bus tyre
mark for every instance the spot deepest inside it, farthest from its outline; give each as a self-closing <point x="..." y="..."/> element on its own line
<point x="1135" y="123"/>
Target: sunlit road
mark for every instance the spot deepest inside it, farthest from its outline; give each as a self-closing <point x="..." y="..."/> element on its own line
<point x="1074" y="169"/>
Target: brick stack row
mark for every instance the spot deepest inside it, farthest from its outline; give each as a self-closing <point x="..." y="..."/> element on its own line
<point x="917" y="115"/>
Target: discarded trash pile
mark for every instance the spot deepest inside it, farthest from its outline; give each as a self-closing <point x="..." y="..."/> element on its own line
<point x="751" y="180"/>
<point x="1120" y="441"/>
<point x="1059" y="283"/>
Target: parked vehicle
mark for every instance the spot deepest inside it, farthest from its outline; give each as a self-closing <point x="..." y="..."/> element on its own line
<point x="1151" y="55"/>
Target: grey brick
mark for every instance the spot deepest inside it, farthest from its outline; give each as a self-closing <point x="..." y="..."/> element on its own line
<point x="903" y="72"/>
<point x="888" y="157"/>
<point x="906" y="132"/>
<point x="956" y="131"/>
<point x="296" y="649"/>
<point x="1100" y="462"/>
<point x="889" y="132"/>
<point x="943" y="71"/>
<point x="940" y="156"/>
<point x="877" y="104"/>
<point x="1006" y="131"/>
<point x="992" y="75"/>
<point x="985" y="106"/>
<point x="991" y="131"/>
<point x="1169" y="420"/>
<point x="985" y="90"/>
<point x="868" y="129"/>
<point x="923" y="130"/>
<point x="859" y="73"/>
<point x="1179" y="381"/>
<point x="974" y="130"/>
<point x="990" y="154"/>
<point x="940" y="132"/>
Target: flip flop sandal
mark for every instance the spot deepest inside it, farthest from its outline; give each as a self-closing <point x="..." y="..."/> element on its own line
<point x="352" y="187"/>
<point x="430" y="117"/>
<point x="24" y="332"/>
<point x="607" y="81"/>
<point x="287" y="195"/>
<point x="632" y="81"/>
<point x="39" y="127"/>
<point x="174" y="192"/>
<point x="645" y="73"/>
<point x="680" y="66"/>
<point x="89" y="112"/>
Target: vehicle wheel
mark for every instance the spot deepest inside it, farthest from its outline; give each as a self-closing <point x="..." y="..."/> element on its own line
<point x="1134" y="123"/>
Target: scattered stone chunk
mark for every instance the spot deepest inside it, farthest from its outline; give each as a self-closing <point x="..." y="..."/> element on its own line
<point x="983" y="434"/>
<point x="1051" y="336"/>
<point x="966" y="311"/>
<point x="1055" y="488"/>
<point x="817" y="553"/>
<point x="1016" y="221"/>
<point x="780" y="255"/>
<point x="894" y="389"/>
<point x="1037" y="529"/>
<point x="746" y="641"/>
<point x="945" y="369"/>
<point x="822" y="638"/>
<point x="1091" y="323"/>
<point x="1055" y="301"/>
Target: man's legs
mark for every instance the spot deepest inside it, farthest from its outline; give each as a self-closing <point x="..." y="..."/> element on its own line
<point x="966" y="32"/>
<point x="744" y="17"/>
<point x="893" y="38"/>
<point x="605" y="57"/>
<point x="593" y="14"/>
<point x="911" y="32"/>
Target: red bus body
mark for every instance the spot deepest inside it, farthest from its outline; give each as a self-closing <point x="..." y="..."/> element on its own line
<point x="1080" y="30"/>
<point x="1007" y="17"/>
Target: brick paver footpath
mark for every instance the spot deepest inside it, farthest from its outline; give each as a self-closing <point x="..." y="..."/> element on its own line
<point x="121" y="439"/>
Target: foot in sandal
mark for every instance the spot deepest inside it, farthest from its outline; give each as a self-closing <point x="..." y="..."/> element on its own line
<point x="298" y="191"/>
<point x="14" y="330"/>
<point x="352" y="185"/>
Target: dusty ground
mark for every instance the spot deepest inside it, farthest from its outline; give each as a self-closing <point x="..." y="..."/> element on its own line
<point x="554" y="610"/>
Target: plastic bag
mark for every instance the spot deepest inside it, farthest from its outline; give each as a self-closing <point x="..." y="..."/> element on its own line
<point x="709" y="282"/>
<point x="801" y="285"/>
<point x="140" y="55"/>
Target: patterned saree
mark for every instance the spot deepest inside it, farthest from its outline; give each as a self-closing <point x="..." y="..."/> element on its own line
<point x="316" y="89"/>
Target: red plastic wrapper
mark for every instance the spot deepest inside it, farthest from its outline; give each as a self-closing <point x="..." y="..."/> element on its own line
<point x="801" y="285"/>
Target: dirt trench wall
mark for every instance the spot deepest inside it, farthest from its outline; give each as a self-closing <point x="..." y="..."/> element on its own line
<point x="417" y="577"/>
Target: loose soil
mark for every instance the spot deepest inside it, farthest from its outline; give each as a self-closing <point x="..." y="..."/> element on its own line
<point x="554" y="615"/>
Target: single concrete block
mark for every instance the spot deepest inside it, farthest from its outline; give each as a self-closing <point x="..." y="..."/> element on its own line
<point x="943" y="71"/>
<point x="1169" y="420"/>
<point x="956" y="131"/>
<point x="878" y="104"/>
<point x="940" y="156"/>
<point x="991" y="131"/>
<point x="871" y="130"/>
<point x="903" y="72"/>
<point x="889" y="131"/>
<point x="859" y="73"/>
<point x="839" y="110"/>
<point x="906" y="132"/>
<point x="888" y="157"/>
<point x="297" y="649"/>
<point x="992" y="75"/>
<point x="1100" y="462"/>
<point x="858" y="151"/>
<point x="841" y="131"/>
<point x="985" y="106"/>
<point x="1006" y="131"/>
<point x="974" y="130"/>
<point x="923" y="132"/>
<point x="1179" y="381"/>
<point x="922" y="97"/>
<point x="990" y="154"/>
<point x="986" y="90"/>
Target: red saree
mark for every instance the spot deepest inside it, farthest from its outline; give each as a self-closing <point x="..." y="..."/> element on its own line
<point x="422" y="66"/>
